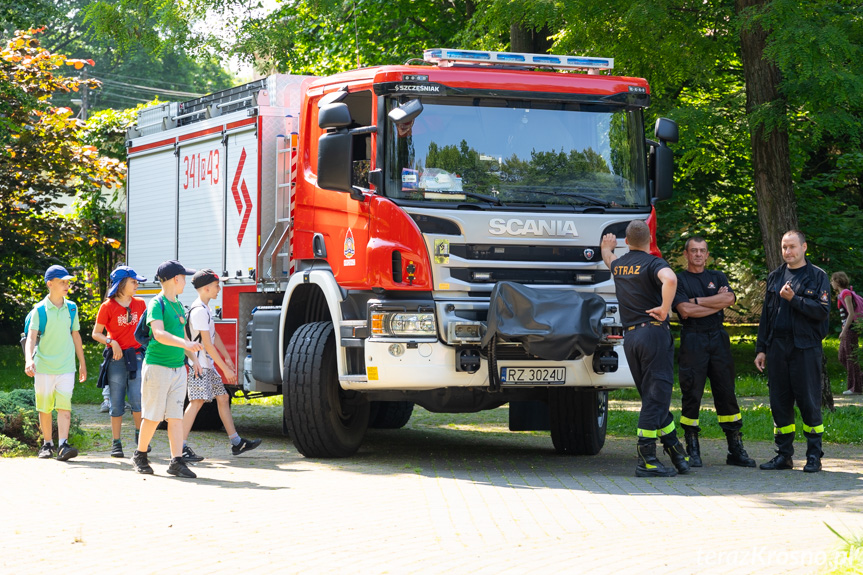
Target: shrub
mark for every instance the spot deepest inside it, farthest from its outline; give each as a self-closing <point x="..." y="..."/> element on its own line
<point x="19" y="424"/>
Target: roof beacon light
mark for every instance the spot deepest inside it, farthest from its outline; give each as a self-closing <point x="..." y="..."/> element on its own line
<point x="447" y="57"/>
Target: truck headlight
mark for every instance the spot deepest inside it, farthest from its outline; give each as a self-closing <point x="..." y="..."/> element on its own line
<point x="401" y="324"/>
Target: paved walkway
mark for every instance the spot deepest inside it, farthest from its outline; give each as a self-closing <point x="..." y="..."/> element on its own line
<point x="423" y="499"/>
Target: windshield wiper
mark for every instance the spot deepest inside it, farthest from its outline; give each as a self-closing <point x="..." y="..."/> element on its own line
<point x="568" y="196"/>
<point x="474" y="195"/>
<point x="591" y="199"/>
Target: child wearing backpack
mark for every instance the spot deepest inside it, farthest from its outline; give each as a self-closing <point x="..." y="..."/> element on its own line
<point x="850" y="309"/>
<point x="208" y="385"/>
<point x="163" y="381"/>
<point x="51" y="361"/>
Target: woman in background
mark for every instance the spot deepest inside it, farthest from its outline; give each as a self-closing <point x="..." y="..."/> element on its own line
<point x="850" y="305"/>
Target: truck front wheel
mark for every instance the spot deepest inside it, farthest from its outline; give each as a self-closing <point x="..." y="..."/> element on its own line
<point x="579" y="419"/>
<point x="323" y="420"/>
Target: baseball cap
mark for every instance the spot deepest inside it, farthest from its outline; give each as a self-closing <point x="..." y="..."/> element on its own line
<point x="204" y="278"/>
<point x="167" y="270"/>
<point x="57" y="273"/>
<point x="119" y="275"/>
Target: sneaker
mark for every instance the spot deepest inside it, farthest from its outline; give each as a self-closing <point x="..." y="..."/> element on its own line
<point x="105" y="407"/>
<point x="117" y="449"/>
<point x="179" y="468"/>
<point x="850" y="392"/>
<point x="813" y="464"/>
<point x="190" y="456"/>
<point x="46" y="451"/>
<point x="140" y="463"/>
<point x="66" y="452"/>
<point x="245" y="445"/>
<point x="128" y="406"/>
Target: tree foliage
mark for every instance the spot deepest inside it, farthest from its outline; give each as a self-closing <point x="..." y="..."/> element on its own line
<point x="42" y="163"/>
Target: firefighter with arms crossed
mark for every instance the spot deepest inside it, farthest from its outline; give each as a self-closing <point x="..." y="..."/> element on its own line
<point x="705" y="352"/>
<point x="645" y="287"/>
<point x="794" y="320"/>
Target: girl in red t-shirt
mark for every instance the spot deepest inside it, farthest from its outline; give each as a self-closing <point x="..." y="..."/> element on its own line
<point x="848" y="303"/>
<point x="119" y="315"/>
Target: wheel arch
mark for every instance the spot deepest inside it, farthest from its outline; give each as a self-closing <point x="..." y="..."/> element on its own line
<point x="311" y="295"/>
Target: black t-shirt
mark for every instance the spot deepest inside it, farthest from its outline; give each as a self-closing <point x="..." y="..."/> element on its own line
<point x="691" y="285"/>
<point x="638" y="289"/>
<point x="782" y="327"/>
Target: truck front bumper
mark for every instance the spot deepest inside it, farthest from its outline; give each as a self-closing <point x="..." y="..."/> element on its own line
<point x="431" y="365"/>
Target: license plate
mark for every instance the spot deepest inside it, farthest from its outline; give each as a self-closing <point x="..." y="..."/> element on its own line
<point x="542" y="375"/>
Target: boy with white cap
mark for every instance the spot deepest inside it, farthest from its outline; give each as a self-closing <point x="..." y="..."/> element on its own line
<point x="163" y="381"/>
<point x="203" y="387"/>
<point x="52" y="362"/>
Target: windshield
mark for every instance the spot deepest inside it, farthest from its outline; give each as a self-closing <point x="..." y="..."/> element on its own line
<point x="507" y="152"/>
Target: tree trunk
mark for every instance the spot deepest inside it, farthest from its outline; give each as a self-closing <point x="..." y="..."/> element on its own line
<point x="777" y="206"/>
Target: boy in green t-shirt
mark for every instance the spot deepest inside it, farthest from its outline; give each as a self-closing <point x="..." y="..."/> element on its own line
<point x="163" y="379"/>
<point x="52" y="362"/>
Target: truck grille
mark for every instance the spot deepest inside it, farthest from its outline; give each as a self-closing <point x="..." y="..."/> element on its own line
<point x="527" y="253"/>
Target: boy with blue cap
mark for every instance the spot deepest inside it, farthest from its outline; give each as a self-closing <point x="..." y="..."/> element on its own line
<point x="51" y="361"/>
<point x="163" y="382"/>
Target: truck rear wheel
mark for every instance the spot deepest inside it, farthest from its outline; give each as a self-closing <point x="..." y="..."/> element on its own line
<point x="579" y="420"/>
<point x="323" y="419"/>
<point x="390" y="414"/>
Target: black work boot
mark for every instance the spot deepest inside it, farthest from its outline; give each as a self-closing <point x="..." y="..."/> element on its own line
<point x="692" y="448"/>
<point x="813" y="455"/>
<point x="649" y="465"/>
<point x="736" y="454"/>
<point x="678" y="456"/>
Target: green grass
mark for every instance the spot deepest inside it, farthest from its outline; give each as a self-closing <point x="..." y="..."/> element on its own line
<point x="848" y="558"/>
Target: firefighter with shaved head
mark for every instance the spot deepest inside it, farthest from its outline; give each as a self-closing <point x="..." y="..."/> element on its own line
<point x="645" y="286"/>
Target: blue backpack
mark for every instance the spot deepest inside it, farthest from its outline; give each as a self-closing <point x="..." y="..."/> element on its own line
<point x="39" y="309"/>
<point x="142" y="330"/>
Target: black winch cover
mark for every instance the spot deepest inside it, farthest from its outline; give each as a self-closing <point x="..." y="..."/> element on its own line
<point x="549" y="323"/>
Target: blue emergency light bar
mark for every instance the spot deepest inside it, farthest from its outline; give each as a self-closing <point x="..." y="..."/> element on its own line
<point x="448" y="57"/>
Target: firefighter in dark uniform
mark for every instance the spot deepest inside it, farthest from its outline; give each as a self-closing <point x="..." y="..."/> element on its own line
<point x="705" y="352"/>
<point x="645" y="286"/>
<point x="794" y="320"/>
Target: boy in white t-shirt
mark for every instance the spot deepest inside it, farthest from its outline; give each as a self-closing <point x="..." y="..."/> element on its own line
<point x="203" y="388"/>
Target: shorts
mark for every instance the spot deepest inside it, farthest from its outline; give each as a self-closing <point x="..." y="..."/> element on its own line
<point x="163" y="391"/>
<point x="54" y="391"/>
<point x="206" y="387"/>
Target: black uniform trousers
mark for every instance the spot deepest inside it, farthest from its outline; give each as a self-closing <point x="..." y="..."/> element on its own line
<point x="794" y="375"/>
<point x="706" y="354"/>
<point x="650" y="354"/>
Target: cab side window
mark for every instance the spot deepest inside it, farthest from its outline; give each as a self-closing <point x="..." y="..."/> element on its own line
<point x="361" y="106"/>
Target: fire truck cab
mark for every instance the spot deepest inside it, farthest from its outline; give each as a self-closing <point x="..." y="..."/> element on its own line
<point x="373" y="225"/>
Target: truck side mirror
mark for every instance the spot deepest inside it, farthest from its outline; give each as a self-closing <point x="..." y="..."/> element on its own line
<point x="662" y="158"/>
<point x="666" y="130"/>
<point x="334" y="116"/>
<point x="406" y="112"/>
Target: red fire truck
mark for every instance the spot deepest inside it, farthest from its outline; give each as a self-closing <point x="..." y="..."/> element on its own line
<point x="365" y="224"/>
